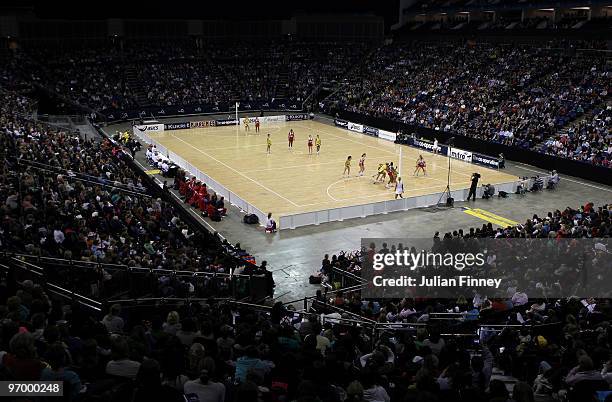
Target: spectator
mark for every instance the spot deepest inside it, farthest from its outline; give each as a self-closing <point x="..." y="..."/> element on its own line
<point x="205" y="389"/>
<point x="112" y="321"/>
<point x="120" y="364"/>
<point x="149" y="386"/>
<point x="56" y="357"/>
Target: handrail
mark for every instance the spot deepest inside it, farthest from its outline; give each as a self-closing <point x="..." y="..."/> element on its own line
<point x="69" y="175"/>
<point x="90" y="264"/>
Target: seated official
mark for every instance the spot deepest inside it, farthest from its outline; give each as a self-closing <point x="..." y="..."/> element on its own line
<point x="221" y="206"/>
<point x="538" y="184"/>
<point x="270" y="224"/>
<point x="553" y="180"/>
<point x="165" y="167"/>
<point x="489" y="191"/>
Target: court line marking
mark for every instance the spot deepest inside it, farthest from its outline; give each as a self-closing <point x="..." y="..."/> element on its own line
<point x="239" y="173"/>
<point x="340" y="138"/>
<point x="338" y="181"/>
<point x="295" y="166"/>
<point x="495" y="216"/>
<point x="489" y="217"/>
<point x="562" y="177"/>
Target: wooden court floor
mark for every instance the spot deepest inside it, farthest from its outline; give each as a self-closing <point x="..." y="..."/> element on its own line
<point x="287" y="182"/>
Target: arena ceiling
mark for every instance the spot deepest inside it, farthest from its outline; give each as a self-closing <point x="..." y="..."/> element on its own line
<point x="238" y="9"/>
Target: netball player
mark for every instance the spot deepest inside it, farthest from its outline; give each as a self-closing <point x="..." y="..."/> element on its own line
<point x="420" y="165"/>
<point x="310" y="141"/>
<point x="269" y="143"/>
<point x="399" y="188"/>
<point x="381" y="173"/>
<point x="318" y="144"/>
<point x="392" y="173"/>
<point x="290" y="138"/>
<point x="246" y="124"/>
<point x="362" y="164"/>
<point x="347" y="166"/>
<point x="256" y="125"/>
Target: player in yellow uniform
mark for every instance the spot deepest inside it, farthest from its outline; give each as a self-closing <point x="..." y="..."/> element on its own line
<point x="381" y="173"/>
<point x="269" y="143"/>
<point x="347" y="167"/>
<point x="246" y="123"/>
<point x="318" y="143"/>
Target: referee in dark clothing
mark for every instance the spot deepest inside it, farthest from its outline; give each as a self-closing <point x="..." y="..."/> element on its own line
<point x="472" y="193"/>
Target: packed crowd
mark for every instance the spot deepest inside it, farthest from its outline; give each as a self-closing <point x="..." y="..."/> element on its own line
<point x="589" y="140"/>
<point x="73" y="198"/>
<point x="223" y="351"/>
<point x="519" y="95"/>
<point x="515" y="95"/>
<point x="174" y="74"/>
<point x="560" y="346"/>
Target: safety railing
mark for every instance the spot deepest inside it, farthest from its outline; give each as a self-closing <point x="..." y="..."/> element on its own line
<point x="102" y="281"/>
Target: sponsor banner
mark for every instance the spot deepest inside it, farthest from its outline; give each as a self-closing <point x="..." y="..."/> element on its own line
<point x="460" y="154"/>
<point x="355" y="127"/>
<point x="177" y="126"/>
<point x="428" y="145"/>
<point x="149" y="127"/>
<point x="485" y="160"/>
<point x="221" y="107"/>
<point x="264" y="119"/>
<point x="203" y="123"/>
<point x="294" y="117"/>
<point x="271" y="119"/>
<point x="226" y="122"/>
<point x="387" y="135"/>
<point x="341" y="123"/>
<point x="371" y="131"/>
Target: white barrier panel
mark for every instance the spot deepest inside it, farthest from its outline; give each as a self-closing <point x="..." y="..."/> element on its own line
<point x="355" y="127"/>
<point x="156" y="128"/>
<point x="460" y="154"/>
<point x="387" y="135"/>
<point x="381" y="207"/>
<point x="265" y="119"/>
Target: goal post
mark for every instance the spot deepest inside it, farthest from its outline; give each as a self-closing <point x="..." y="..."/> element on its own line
<point x="399" y="167"/>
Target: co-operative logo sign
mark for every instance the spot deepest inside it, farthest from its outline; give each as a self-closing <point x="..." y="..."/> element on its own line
<point x="485" y="160"/>
<point x="425" y="145"/>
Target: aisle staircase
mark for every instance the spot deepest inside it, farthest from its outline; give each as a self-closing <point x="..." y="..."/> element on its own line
<point x="136" y="86"/>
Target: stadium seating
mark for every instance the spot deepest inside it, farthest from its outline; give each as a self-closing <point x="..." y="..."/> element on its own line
<point x="524" y="96"/>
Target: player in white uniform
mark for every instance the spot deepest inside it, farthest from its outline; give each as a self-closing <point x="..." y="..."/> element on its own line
<point x="399" y="188"/>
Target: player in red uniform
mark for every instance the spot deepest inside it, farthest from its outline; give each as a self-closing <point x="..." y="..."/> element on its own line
<point x="420" y="165"/>
<point x="290" y="138"/>
<point x="392" y="173"/>
<point x="310" y="141"/>
<point x="362" y="164"/>
<point x="256" y="125"/>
